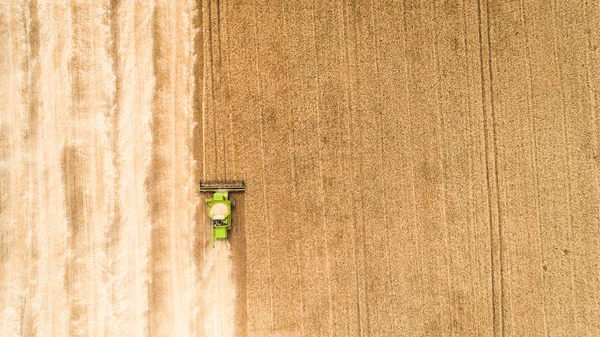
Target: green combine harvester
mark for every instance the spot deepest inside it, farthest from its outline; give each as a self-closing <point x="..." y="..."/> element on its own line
<point x="219" y="207"/>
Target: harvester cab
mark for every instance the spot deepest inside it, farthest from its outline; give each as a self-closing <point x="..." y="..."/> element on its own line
<point x="220" y="206"/>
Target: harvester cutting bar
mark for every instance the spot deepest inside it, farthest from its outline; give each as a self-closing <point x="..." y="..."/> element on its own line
<point x="218" y="185"/>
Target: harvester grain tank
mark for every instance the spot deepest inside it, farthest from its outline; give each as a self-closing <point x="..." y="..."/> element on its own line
<point x="220" y="206"/>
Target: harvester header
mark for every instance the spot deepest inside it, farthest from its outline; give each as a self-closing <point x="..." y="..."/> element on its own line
<point x="219" y="185"/>
<point x="220" y="206"/>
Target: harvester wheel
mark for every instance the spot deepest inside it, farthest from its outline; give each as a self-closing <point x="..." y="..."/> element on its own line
<point x="232" y="202"/>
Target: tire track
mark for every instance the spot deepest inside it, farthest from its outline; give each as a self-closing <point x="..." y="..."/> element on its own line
<point x="491" y="165"/>
<point x="212" y="145"/>
<point x="508" y="129"/>
<point x="355" y="153"/>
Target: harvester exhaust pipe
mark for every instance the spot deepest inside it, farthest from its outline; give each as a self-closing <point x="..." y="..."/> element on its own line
<point x="219" y="185"/>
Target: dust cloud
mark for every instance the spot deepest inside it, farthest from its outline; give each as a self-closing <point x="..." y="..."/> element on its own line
<point x="218" y="291"/>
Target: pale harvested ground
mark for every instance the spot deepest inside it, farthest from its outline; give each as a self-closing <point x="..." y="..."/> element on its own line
<point x="431" y="169"/>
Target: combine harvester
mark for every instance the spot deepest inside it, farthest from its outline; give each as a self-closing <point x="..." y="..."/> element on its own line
<point x="220" y="205"/>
